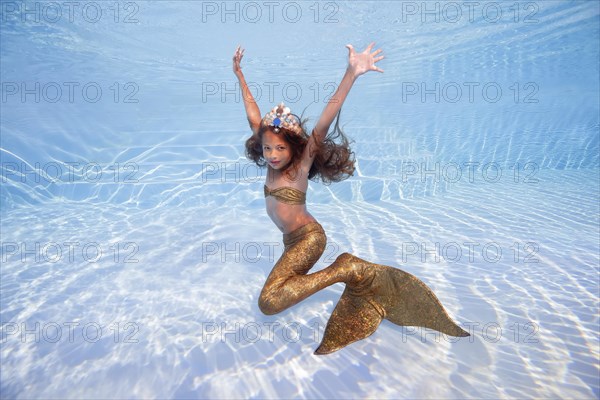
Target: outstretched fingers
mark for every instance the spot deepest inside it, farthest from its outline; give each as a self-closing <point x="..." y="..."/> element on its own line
<point x="377" y="58"/>
<point x="375" y="67"/>
<point x="239" y="53"/>
<point x="237" y="59"/>
<point x="364" y="61"/>
<point x="374" y="57"/>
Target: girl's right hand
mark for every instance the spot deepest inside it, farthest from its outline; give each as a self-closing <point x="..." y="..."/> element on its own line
<point x="237" y="59"/>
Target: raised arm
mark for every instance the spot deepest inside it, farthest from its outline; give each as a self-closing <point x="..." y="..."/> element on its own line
<point x="252" y="110"/>
<point x="358" y="64"/>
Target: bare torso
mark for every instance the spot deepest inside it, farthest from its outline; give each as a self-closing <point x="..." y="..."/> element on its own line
<point x="287" y="217"/>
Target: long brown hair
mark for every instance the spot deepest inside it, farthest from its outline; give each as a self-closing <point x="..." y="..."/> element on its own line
<point x="333" y="162"/>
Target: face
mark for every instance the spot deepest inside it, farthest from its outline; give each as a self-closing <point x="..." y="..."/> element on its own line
<point x="276" y="150"/>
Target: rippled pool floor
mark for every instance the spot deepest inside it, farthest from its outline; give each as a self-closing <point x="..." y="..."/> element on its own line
<point x="114" y="301"/>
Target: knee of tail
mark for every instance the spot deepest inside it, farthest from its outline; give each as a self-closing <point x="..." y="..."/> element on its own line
<point x="344" y="258"/>
<point x="268" y="306"/>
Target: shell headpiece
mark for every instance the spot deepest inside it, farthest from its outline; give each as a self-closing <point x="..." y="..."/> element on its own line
<point x="281" y="117"/>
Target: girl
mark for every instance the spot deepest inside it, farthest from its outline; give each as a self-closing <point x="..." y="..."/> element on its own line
<point x="373" y="292"/>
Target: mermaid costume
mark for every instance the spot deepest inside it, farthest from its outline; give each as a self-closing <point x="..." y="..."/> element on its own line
<point x="373" y="292"/>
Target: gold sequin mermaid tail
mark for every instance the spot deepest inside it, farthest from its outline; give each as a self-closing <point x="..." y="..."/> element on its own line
<point x="380" y="292"/>
<point x="373" y="292"/>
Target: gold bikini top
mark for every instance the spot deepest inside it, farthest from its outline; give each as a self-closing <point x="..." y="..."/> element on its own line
<point x="286" y="194"/>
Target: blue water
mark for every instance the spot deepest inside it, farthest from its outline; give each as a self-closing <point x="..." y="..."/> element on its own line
<point x="134" y="237"/>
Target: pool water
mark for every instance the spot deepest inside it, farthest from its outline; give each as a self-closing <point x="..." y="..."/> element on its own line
<point x="134" y="237"/>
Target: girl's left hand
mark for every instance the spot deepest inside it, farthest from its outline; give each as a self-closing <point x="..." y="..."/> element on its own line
<point x="359" y="63"/>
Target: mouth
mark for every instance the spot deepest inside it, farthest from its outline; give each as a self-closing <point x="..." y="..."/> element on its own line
<point x="274" y="162"/>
